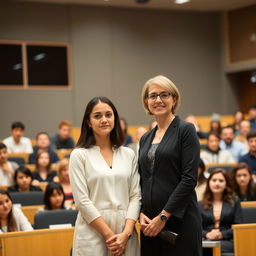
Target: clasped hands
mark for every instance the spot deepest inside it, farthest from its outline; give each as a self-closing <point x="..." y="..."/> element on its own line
<point x="151" y="227"/>
<point x="214" y="234"/>
<point x="116" y="244"/>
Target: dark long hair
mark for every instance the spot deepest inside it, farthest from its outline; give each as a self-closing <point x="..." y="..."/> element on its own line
<point x="11" y="222"/>
<point x="48" y="193"/>
<point x="227" y="196"/>
<point x="201" y="178"/>
<point x="250" y="186"/>
<point x="87" y="139"/>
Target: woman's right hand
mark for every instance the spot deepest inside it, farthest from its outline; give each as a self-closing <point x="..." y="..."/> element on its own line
<point x="215" y="234"/>
<point x="144" y="221"/>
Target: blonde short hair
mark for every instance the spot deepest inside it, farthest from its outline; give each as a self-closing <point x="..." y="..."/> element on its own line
<point x="63" y="163"/>
<point x="167" y="84"/>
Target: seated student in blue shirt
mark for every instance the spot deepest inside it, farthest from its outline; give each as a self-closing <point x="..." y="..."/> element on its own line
<point x="250" y="157"/>
<point x="43" y="143"/>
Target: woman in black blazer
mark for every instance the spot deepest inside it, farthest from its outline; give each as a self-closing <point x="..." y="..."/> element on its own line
<point x="168" y="163"/>
<point x="219" y="210"/>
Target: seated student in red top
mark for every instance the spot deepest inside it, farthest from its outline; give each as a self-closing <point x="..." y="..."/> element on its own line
<point x="64" y="180"/>
<point x="54" y="198"/>
<point x="23" y="179"/>
<point x="43" y="172"/>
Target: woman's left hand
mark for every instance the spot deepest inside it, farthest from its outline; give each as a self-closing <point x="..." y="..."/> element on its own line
<point x="154" y="227"/>
<point x="116" y="244"/>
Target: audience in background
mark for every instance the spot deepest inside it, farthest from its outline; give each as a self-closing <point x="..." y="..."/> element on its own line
<point x="63" y="139"/>
<point x="139" y="133"/>
<point x="11" y="218"/>
<point x="43" y="143"/>
<point x="215" y="126"/>
<point x="7" y="168"/>
<point x="201" y="180"/>
<point x="252" y="116"/>
<point x="124" y="127"/>
<point x="23" y="181"/>
<point x="243" y="184"/>
<point x="243" y="131"/>
<point x="213" y="154"/>
<point x="238" y="118"/>
<point x="250" y="157"/>
<point x="54" y="198"/>
<point x="17" y="143"/>
<point x="63" y="175"/>
<point x="43" y="172"/>
<point x="192" y="119"/>
<point x="236" y="148"/>
<point x="220" y="209"/>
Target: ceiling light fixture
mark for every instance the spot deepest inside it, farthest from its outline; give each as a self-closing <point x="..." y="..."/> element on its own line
<point x="181" y="1"/>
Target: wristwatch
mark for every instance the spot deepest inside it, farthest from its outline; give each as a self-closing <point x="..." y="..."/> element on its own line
<point x="163" y="217"/>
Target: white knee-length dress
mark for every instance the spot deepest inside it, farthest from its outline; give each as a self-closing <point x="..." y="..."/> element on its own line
<point x="112" y="193"/>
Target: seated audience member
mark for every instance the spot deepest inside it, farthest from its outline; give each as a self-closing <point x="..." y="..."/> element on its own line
<point x="64" y="180"/>
<point x="124" y="127"/>
<point x="220" y="209"/>
<point x="43" y="172"/>
<point x="238" y="118"/>
<point x="201" y="181"/>
<point x="236" y="148"/>
<point x="11" y="218"/>
<point x="213" y="154"/>
<point x="63" y="140"/>
<point x="244" y="129"/>
<point x="17" y="143"/>
<point x="54" y="197"/>
<point x="250" y="157"/>
<point x="43" y="143"/>
<point x="7" y="168"/>
<point x="192" y="119"/>
<point x="252" y="116"/>
<point x="243" y="184"/>
<point x="215" y="126"/>
<point x="23" y="181"/>
<point x="139" y="133"/>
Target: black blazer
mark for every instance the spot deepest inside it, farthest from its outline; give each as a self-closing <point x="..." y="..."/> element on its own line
<point x="171" y="185"/>
<point x="230" y="214"/>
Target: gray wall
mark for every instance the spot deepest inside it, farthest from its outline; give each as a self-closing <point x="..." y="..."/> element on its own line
<point x="114" y="52"/>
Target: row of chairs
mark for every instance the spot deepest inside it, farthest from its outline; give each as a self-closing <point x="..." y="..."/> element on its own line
<point x="22" y="158"/>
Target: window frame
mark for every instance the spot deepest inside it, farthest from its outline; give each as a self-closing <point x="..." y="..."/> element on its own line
<point x="25" y="85"/>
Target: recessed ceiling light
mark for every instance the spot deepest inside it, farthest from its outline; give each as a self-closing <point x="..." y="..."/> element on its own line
<point x="181" y="1"/>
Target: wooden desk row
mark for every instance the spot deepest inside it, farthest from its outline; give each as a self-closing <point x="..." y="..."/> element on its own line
<point x="51" y="242"/>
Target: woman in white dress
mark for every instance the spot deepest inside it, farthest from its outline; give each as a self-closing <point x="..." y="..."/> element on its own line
<point x="105" y="185"/>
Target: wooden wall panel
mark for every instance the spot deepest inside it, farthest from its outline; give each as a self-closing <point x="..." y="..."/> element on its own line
<point x="241" y="26"/>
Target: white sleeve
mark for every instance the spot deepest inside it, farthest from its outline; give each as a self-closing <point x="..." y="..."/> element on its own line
<point x="79" y="186"/>
<point x="29" y="148"/>
<point x="21" y="220"/>
<point x="134" y="193"/>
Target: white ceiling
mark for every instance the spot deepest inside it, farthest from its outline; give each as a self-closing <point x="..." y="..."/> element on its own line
<point x="193" y="5"/>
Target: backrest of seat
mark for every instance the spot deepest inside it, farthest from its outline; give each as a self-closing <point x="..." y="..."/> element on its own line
<point x="249" y="214"/>
<point x="28" y="198"/>
<point x="46" y="218"/>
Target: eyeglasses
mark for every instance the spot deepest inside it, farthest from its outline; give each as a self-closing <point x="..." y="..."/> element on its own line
<point x="162" y="95"/>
